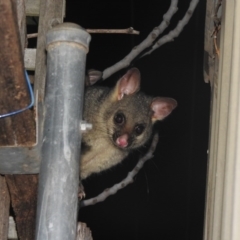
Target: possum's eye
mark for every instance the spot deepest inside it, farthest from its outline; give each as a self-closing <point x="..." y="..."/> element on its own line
<point x="139" y="129"/>
<point x="119" y="118"/>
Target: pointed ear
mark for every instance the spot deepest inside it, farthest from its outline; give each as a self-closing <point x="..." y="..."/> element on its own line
<point x="162" y="107"/>
<point x="128" y="84"/>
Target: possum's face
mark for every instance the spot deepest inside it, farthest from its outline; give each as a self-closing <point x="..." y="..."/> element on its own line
<point x="130" y="115"/>
<point x="129" y="121"/>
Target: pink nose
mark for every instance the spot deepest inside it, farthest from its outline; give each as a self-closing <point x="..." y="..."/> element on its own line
<point x="122" y="141"/>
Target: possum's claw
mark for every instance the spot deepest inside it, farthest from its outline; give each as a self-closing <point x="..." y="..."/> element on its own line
<point x="81" y="193"/>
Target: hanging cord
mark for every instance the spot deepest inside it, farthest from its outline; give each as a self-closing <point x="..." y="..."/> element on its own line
<point x="31" y="96"/>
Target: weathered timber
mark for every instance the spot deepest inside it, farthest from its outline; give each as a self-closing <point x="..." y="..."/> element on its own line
<point x="30" y="59"/>
<point x="21" y="16"/>
<point x="18" y="129"/>
<point x="4" y="206"/>
<point x="51" y="13"/>
<point x="32" y="7"/>
<point x="23" y="192"/>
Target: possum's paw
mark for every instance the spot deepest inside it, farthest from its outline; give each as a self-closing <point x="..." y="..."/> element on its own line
<point x="81" y="193"/>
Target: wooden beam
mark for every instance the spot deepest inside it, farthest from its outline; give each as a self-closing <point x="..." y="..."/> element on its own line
<point x="4" y="206"/>
<point x="32" y="7"/>
<point x="21" y="16"/>
<point x="23" y="192"/>
<point x="51" y="13"/>
<point x="18" y="129"/>
<point x="30" y="58"/>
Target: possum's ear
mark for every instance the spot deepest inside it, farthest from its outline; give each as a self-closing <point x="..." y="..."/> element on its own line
<point x="127" y="84"/>
<point x="162" y="107"/>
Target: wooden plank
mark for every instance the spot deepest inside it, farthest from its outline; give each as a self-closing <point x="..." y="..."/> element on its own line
<point x="51" y="14"/>
<point x="30" y="58"/>
<point x="21" y="16"/>
<point x="211" y="43"/>
<point x="18" y="129"/>
<point x="23" y="188"/>
<point x="32" y="7"/>
<point x="23" y="192"/>
<point x="4" y="206"/>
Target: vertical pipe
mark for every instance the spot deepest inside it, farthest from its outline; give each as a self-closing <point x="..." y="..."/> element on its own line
<point x="67" y="46"/>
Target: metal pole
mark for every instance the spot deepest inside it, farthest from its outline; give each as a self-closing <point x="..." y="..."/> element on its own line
<point x="67" y="46"/>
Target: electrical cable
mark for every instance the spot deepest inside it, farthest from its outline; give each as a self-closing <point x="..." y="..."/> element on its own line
<point x="31" y="96"/>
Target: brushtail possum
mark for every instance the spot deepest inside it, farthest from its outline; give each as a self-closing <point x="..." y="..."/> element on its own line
<point x="122" y="119"/>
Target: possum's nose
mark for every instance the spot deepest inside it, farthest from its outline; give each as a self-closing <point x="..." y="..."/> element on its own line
<point x="122" y="141"/>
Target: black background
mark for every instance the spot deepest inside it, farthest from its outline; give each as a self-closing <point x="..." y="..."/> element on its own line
<point x="166" y="200"/>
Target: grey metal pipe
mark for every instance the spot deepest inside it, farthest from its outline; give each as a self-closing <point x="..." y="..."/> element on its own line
<point x="67" y="46"/>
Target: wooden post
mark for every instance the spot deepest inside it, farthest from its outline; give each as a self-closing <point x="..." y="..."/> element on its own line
<point x="19" y="129"/>
<point x="23" y="192"/>
<point x="50" y="15"/>
<point x="4" y="206"/>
